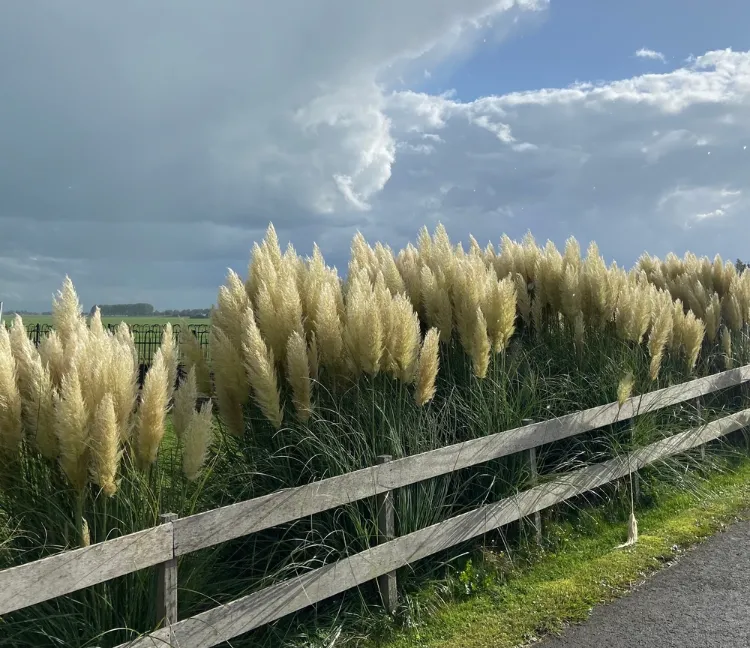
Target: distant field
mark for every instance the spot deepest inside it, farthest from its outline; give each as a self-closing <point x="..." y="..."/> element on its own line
<point x="47" y="319"/>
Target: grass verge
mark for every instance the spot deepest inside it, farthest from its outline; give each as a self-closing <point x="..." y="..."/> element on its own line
<point x="539" y="595"/>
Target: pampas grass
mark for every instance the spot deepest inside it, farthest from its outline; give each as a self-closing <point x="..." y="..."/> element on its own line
<point x="196" y="441"/>
<point x="427" y="370"/>
<point x="105" y="446"/>
<point x="298" y="375"/>
<point x="152" y="412"/>
<point x="184" y="403"/>
<point x="11" y="425"/>
<point x="260" y="367"/>
<point x="316" y="375"/>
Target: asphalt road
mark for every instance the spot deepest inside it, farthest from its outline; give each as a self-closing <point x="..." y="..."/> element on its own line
<point x="702" y="601"/>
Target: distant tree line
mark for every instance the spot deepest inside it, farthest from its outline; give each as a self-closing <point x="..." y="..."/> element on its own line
<point x="189" y="313"/>
<point x="147" y="310"/>
<point x="741" y="265"/>
<point x="124" y="310"/>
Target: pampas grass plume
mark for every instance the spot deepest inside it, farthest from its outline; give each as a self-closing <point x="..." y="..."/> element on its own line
<point x="66" y="313"/>
<point x="694" y="331"/>
<point x="726" y="347"/>
<point x="428" y="366"/>
<point x="53" y="355"/>
<point x="170" y="355"/>
<point x="185" y="397"/>
<point x="328" y="329"/>
<point x="657" y="341"/>
<point x="197" y="440"/>
<point x="625" y="388"/>
<point x="105" y="450"/>
<point x="259" y="364"/>
<point x="480" y="346"/>
<point x="40" y="410"/>
<point x="71" y="426"/>
<point x="11" y="430"/>
<point x="232" y="386"/>
<point x="193" y="357"/>
<point x="152" y="411"/>
<point x="298" y="375"/>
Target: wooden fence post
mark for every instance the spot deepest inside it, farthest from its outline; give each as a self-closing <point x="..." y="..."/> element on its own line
<point x="166" y="593"/>
<point x="634" y="476"/>
<point x="386" y="532"/>
<point x="536" y="518"/>
<point x="699" y="409"/>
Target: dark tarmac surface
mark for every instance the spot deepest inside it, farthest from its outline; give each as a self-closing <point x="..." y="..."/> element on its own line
<point x="703" y="600"/>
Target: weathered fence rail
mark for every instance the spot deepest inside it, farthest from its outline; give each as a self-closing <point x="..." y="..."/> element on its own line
<point x="161" y="546"/>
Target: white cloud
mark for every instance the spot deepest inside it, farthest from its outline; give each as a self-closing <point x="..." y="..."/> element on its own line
<point x="193" y="116"/>
<point x="217" y="121"/>
<point x="695" y="204"/>
<point x="650" y="54"/>
<point x="623" y="162"/>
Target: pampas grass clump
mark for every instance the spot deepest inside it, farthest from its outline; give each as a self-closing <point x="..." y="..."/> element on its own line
<point x="315" y="374"/>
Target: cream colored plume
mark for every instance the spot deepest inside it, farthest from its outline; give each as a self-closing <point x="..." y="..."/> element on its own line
<point x="259" y="364"/>
<point x="328" y="329"/>
<point x="152" y="412"/>
<point x="71" y="426"/>
<point x="171" y="357"/>
<point x="625" y="388"/>
<point x="363" y="328"/>
<point x="428" y="366"/>
<point x="726" y="347"/>
<point x="480" y="346"/>
<point x="658" y="338"/>
<point x="185" y="397"/>
<point x="194" y="358"/>
<point x="298" y="375"/>
<point x="231" y="381"/>
<point x="197" y="440"/>
<point x="105" y="446"/>
<point x="11" y="428"/>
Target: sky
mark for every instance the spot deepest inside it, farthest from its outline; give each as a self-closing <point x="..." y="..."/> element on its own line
<point x="145" y="146"/>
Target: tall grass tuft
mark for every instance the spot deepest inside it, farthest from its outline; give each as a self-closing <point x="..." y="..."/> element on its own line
<point x="315" y="375"/>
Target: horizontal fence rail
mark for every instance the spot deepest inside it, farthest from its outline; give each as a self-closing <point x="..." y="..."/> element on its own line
<point x="70" y="571"/>
<point x="225" y="622"/>
<point x="219" y="525"/>
<point x="74" y="570"/>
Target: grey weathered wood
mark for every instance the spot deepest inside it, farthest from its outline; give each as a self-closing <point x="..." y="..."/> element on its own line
<point x="63" y="574"/>
<point x="249" y="612"/>
<point x="69" y="571"/>
<point x="386" y="532"/>
<point x="699" y="411"/>
<point x="635" y="477"/>
<point x="536" y="517"/>
<point x="166" y="594"/>
<point x="236" y="520"/>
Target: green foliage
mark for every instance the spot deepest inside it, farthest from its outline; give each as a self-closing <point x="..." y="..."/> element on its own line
<point x="537" y="378"/>
<point x="580" y="567"/>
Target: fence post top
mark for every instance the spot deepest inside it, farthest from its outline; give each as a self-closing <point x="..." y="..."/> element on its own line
<point x="167" y="517"/>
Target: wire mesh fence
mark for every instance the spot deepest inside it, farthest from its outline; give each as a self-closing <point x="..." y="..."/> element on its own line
<point x="147" y="338"/>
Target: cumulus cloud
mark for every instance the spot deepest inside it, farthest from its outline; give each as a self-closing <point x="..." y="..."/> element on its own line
<point x="652" y="162"/>
<point x="646" y="53"/>
<point x="144" y="152"/>
<point x="129" y="131"/>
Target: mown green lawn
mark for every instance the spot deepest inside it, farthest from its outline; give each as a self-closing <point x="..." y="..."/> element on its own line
<point x="585" y="568"/>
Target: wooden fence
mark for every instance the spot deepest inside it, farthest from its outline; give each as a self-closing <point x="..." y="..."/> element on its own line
<point x="161" y="546"/>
